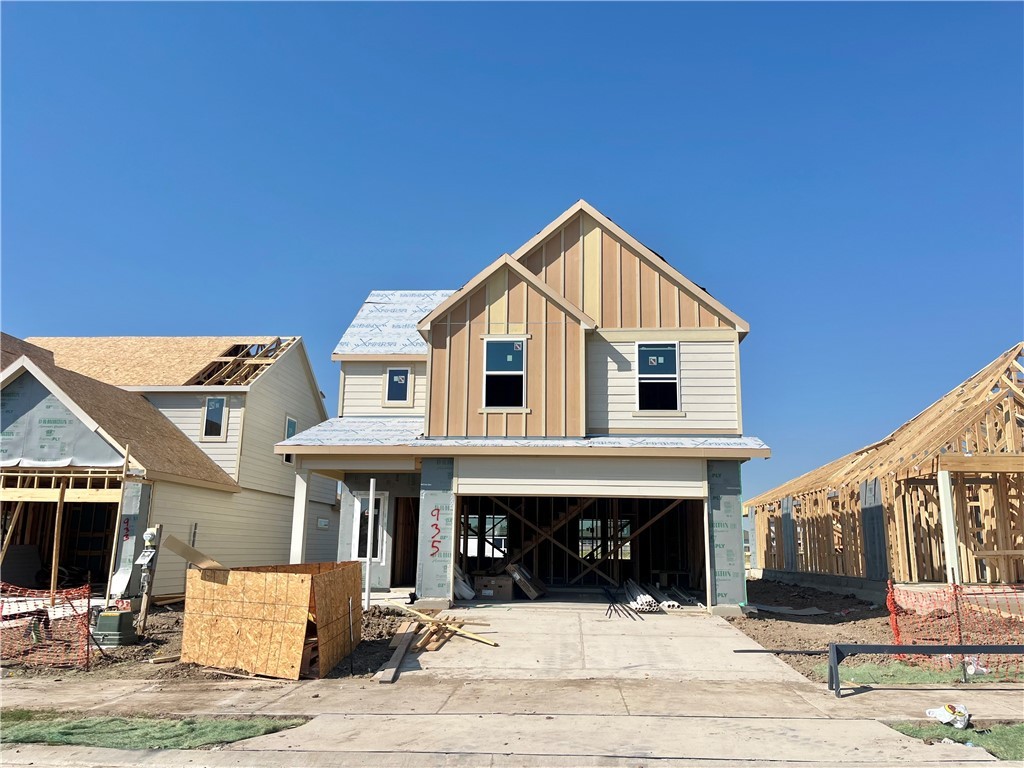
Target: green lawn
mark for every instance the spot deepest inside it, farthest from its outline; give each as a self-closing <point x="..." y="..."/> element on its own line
<point x="897" y="672"/>
<point x="46" y="727"/>
<point x="1005" y="741"/>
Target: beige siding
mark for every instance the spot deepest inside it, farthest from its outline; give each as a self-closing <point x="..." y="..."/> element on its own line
<point x="553" y="347"/>
<point x="247" y="528"/>
<point x="588" y="477"/>
<point x="709" y="393"/>
<point x="185" y="411"/>
<point x="612" y="283"/>
<point x="363" y="393"/>
<point x="287" y="389"/>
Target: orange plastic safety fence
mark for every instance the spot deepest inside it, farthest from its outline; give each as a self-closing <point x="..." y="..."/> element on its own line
<point x="36" y="633"/>
<point x="976" y="614"/>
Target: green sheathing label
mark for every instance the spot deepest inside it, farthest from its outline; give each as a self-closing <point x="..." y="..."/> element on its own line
<point x="725" y="516"/>
<point x="437" y="529"/>
<point x="37" y="430"/>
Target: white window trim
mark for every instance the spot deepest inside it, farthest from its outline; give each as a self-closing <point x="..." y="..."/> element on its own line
<point x="524" y="408"/>
<point x="223" y="436"/>
<point x="663" y="376"/>
<point x="286" y="456"/>
<point x="409" y="392"/>
<point x="381" y="533"/>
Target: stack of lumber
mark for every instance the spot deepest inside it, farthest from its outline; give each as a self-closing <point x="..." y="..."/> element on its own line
<point x="639" y="600"/>
<point x="425" y="632"/>
<point x="666" y="603"/>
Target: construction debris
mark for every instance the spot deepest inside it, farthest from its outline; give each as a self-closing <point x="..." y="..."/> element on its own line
<point x="436" y="631"/>
<point x="532" y="586"/>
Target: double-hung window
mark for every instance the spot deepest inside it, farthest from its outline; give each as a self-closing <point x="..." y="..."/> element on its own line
<point x="215" y="419"/>
<point x="657" y="372"/>
<point x="504" y="373"/>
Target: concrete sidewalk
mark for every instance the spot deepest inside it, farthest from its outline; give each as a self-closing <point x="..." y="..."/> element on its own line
<point x="568" y="686"/>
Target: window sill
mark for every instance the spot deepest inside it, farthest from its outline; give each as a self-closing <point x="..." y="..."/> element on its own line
<point x="660" y="414"/>
<point x="505" y="410"/>
<point x="396" y="405"/>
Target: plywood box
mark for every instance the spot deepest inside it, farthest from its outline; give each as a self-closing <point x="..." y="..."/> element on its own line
<point x="258" y="619"/>
<point x="493" y="587"/>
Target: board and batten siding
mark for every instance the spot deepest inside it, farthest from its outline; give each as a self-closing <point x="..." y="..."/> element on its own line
<point x="581" y="476"/>
<point x="286" y="389"/>
<point x="185" y="410"/>
<point x="708" y="388"/>
<point x="506" y="305"/>
<point x="362" y="391"/>
<point x="246" y="528"/>
<point x="607" y="279"/>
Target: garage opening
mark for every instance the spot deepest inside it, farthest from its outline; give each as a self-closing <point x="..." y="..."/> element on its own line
<point x="585" y="542"/>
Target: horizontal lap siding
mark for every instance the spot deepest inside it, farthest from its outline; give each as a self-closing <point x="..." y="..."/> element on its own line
<point x="708" y="387"/>
<point x="364" y="389"/>
<point x="246" y="528"/>
<point x="586" y="477"/>
<point x="185" y="411"/>
<point x="285" y="389"/>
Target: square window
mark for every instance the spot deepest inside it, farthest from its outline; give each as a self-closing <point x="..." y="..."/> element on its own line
<point x="504" y="373"/>
<point x="657" y="377"/>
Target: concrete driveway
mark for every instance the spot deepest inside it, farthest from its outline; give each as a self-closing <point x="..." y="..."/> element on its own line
<point x="582" y="639"/>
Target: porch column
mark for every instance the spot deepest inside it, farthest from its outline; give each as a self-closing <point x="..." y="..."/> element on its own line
<point x="299" y="516"/>
<point x="728" y="584"/>
<point x="436" y="546"/>
<point x="949" y="538"/>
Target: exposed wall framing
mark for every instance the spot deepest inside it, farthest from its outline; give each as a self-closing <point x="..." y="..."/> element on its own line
<point x="816" y="523"/>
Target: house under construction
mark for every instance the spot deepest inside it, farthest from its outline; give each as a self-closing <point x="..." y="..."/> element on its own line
<point x="938" y="500"/>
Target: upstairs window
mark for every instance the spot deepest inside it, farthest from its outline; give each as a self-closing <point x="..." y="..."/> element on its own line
<point x="291" y="426"/>
<point x="505" y="373"/>
<point x="657" y="372"/>
<point x="398" y="387"/>
<point x="215" y="419"/>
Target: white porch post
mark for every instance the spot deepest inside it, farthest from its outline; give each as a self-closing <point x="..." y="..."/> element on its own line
<point x="950" y="549"/>
<point x="300" y="516"/>
<point x="370" y="530"/>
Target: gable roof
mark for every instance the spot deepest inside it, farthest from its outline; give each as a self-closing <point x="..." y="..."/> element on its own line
<point x="123" y="418"/>
<point x="386" y="324"/>
<point x="656" y="260"/>
<point x="935" y="431"/>
<point x="507" y="262"/>
<point x="143" y="360"/>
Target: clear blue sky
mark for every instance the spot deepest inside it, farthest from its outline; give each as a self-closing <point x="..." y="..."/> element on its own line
<point x="846" y="177"/>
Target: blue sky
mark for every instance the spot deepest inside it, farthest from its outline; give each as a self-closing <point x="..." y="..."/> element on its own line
<point x="846" y="177"/>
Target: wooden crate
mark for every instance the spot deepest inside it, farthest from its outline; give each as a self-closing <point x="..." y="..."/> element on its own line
<point x="257" y="619"/>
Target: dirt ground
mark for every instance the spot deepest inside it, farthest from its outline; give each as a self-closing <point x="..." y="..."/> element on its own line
<point x="846" y="620"/>
<point x="163" y="638"/>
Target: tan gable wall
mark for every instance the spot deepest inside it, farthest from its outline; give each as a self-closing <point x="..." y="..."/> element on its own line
<point x="506" y="304"/>
<point x="609" y="281"/>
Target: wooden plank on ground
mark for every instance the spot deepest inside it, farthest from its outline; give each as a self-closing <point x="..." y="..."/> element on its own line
<point x="389" y="672"/>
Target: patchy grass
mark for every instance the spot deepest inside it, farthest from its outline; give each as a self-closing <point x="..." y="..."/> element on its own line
<point x="1004" y="740"/>
<point x="898" y="672"/>
<point x="25" y="726"/>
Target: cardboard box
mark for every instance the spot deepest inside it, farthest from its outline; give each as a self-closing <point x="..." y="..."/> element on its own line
<point x="494" y="588"/>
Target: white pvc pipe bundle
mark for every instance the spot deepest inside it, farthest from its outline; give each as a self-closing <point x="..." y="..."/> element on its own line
<point x="665" y="603"/>
<point x="639" y="600"/>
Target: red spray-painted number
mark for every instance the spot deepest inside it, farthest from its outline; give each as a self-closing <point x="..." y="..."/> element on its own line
<point x="435" y="537"/>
